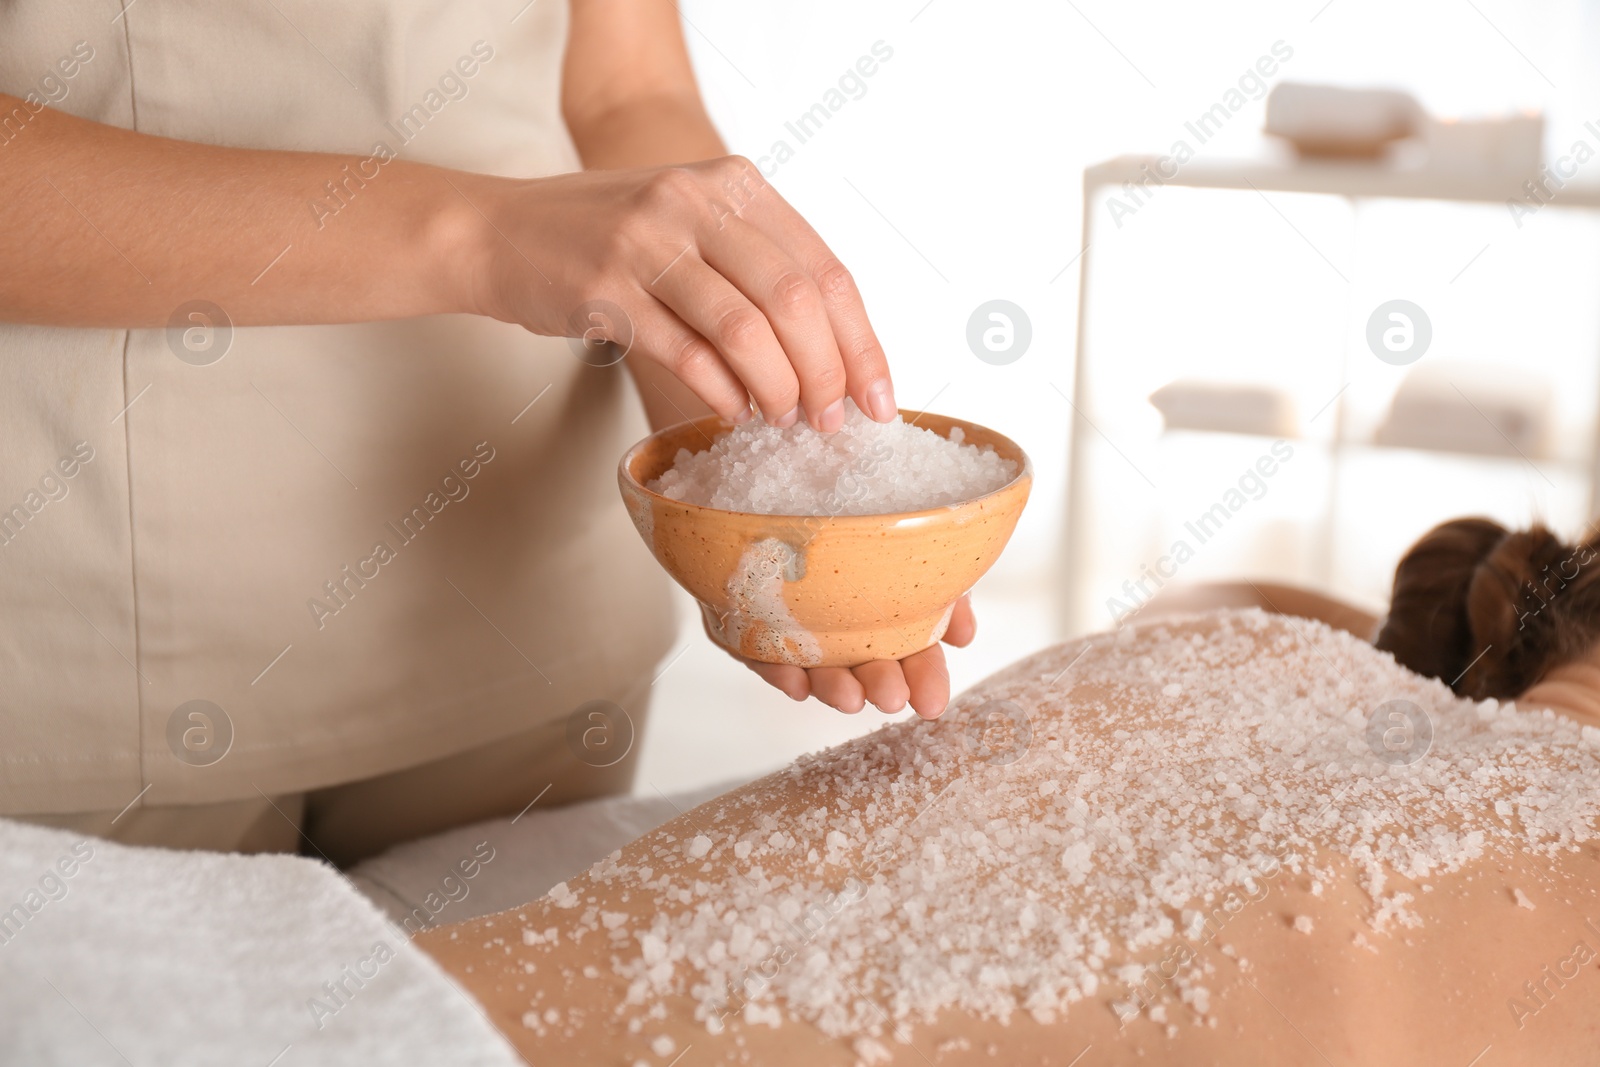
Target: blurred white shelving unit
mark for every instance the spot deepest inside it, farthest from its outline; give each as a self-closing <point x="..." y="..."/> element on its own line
<point x="1114" y="509"/>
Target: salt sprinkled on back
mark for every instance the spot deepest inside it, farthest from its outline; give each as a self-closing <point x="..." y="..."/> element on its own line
<point x="873" y="886"/>
<point x="866" y="468"/>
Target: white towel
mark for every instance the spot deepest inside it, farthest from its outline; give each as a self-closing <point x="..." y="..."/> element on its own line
<point x="118" y="955"/>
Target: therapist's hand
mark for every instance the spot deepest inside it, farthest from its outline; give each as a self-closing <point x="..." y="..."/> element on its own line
<point x="722" y="282"/>
<point x="920" y="680"/>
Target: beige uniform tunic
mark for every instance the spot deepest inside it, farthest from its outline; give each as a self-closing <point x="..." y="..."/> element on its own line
<point x="359" y="542"/>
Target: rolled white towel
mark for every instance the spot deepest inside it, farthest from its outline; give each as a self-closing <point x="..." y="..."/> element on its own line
<point x="112" y="954"/>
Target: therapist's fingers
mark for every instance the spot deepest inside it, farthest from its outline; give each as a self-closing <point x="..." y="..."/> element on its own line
<point x="885" y="684"/>
<point x="963" y="624"/>
<point x="865" y="364"/>
<point x="711" y="306"/>
<point x="692" y="359"/>
<point x="794" y="306"/>
<point x="929" y="681"/>
<point x="839" y="688"/>
<point x="792" y="681"/>
<point x="921" y="680"/>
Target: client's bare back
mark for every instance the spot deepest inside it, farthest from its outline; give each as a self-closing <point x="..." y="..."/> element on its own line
<point x="1234" y="838"/>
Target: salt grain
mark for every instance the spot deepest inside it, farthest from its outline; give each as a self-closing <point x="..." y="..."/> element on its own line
<point x="866" y="468"/>
<point x="870" y="1052"/>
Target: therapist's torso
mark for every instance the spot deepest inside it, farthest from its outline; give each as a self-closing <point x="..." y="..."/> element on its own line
<point x="357" y="541"/>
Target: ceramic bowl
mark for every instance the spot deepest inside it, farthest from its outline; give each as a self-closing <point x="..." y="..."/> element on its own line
<point x="829" y="590"/>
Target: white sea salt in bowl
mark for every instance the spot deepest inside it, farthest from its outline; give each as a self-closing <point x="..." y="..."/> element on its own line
<point x="778" y="534"/>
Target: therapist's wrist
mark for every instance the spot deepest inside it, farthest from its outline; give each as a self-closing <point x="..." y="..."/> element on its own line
<point x="459" y="240"/>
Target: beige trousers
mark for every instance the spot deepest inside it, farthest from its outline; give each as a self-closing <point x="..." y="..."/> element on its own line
<point x="591" y="752"/>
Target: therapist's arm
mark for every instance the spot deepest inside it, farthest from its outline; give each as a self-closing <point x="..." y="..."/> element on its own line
<point x="726" y="286"/>
<point x="629" y="97"/>
<point x="106" y="227"/>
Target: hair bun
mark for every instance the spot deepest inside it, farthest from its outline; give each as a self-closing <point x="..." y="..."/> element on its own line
<point x="1486" y="610"/>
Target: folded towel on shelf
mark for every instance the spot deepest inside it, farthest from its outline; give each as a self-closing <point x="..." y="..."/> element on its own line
<point x="1453" y="406"/>
<point x="1330" y="120"/>
<point x="1221" y="407"/>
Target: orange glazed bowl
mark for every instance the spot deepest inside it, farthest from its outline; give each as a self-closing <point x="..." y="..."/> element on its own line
<point x="822" y="590"/>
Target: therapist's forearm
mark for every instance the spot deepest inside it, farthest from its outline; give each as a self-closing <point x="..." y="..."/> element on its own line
<point x="106" y="227"/>
<point x="649" y="132"/>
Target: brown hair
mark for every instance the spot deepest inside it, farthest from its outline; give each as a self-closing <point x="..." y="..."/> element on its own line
<point x="1490" y="611"/>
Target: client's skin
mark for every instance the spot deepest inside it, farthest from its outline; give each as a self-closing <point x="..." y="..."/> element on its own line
<point x="1438" y="993"/>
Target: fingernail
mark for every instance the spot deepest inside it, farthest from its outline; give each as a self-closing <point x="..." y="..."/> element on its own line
<point x="880" y="400"/>
<point x="832" y="417"/>
<point x="788" y="420"/>
<point x="745" y="415"/>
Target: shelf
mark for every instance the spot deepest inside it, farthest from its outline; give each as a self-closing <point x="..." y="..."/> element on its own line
<point x="1563" y="464"/>
<point x="1337" y="538"/>
<point x="1371" y="180"/>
